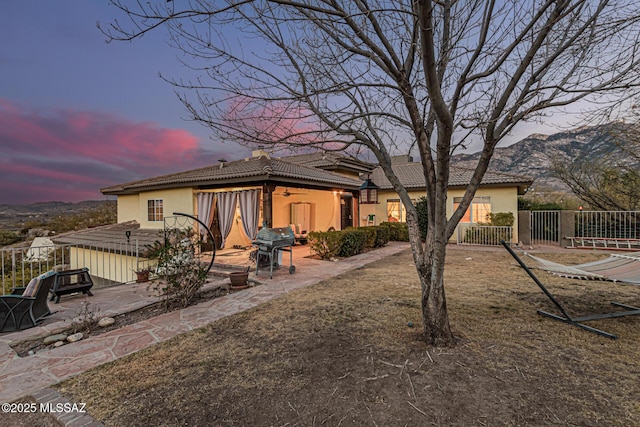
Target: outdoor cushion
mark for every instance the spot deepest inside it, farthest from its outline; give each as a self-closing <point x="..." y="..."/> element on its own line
<point x="32" y="288"/>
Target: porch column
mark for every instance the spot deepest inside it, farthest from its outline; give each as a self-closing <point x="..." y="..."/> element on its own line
<point x="267" y="204"/>
<point x="567" y="228"/>
<point x="524" y="227"/>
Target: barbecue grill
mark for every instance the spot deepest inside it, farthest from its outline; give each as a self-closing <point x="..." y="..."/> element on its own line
<point x="271" y="240"/>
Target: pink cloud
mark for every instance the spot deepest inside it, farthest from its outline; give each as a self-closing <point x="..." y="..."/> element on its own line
<point x="68" y="155"/>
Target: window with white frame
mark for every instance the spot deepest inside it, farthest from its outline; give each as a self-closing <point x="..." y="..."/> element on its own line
<point x="478" y="211"/>
<point x="155" y="210"/>
<point x="396" y="211"/>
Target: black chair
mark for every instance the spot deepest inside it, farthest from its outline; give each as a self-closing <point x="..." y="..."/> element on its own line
<point x="25" y="307"/>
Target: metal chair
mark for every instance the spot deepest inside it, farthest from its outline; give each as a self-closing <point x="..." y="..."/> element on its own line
<point x="25" y="307"/>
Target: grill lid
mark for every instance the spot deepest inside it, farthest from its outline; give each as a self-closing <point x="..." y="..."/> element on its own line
<point x="275" y="236"/>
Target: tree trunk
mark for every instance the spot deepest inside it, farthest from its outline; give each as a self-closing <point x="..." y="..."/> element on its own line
<point x="430" y="267"/>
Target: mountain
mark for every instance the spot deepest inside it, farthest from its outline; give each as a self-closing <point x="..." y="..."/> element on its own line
<point x="49" y="208"/>
<point x="533" y="156"/>
<point x="12" y="216"/>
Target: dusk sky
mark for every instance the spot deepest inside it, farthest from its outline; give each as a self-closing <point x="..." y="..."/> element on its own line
<point x="78" y="114"/>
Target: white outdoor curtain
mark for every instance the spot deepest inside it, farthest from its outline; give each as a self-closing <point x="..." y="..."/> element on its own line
<point x="226" y="213"/>
<point x="250" y="212"/>
<point x="205" y="208"/>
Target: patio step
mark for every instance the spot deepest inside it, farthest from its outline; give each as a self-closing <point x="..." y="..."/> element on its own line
<point x="223" y="270"/>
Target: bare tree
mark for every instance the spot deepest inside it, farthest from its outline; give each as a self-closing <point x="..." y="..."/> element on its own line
<point x="384" y="77"/>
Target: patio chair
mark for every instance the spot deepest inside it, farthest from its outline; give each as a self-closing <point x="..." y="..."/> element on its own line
<point x="26" y="306"/>
<point x="299" y="234"/>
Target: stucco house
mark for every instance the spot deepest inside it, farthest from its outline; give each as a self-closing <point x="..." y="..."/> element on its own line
<point x="318" y="191"/>
<point x="498" y="192"/>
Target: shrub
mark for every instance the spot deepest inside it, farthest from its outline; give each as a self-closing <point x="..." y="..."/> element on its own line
<point x="180" y="273"/>
<point x="382" y="236"/>
<point x="325" y="244"/>
<point x="370" y="232"/>
<point x="398" y="231"/>
<point x="352" y="243"/>
<point x="502" y="219"/>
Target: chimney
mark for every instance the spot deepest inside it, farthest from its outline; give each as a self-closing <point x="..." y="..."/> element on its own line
<point x="404" y="158"/>
<point x="259" y="153"/>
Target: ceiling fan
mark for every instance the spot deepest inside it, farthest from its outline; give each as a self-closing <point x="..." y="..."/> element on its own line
<point x="287" y="193"/>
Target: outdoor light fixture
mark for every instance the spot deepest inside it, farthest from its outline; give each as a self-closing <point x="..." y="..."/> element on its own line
<point x="368" y="192"/>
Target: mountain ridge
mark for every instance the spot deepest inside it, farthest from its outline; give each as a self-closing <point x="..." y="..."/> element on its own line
<point x="533" y="156"/>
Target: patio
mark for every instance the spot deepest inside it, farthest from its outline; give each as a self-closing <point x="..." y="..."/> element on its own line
<point x="23" y="376"/>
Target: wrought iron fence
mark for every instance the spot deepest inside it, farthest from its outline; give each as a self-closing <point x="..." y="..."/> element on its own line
<point x="107" y="265"/>
<point x="487" y="235"/>
<point x="608" y="224"/>
<point x="545" y="227"/>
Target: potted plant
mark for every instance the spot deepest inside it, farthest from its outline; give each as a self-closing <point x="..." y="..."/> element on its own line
<point x="142" y="275"/>
<point x="239" y="279"/>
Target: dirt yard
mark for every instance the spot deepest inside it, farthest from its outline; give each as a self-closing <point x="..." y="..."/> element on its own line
<point x="343" y="352"/>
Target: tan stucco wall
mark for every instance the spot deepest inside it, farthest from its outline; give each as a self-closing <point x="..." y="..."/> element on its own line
<point x="134" y="207"/>
<point x="129" y="208"/>
<point x="325" y="209"/>
<point x="115" y="267"/>
<point x="502" y="200"/>
<point x="324" y="212"/>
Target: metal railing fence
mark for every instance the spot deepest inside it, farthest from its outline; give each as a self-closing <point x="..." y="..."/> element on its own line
<point x="545" y="227"/>
<point x="112" y="265"/>
<point x="486" y="235"/>
<point x="608" y="224"/>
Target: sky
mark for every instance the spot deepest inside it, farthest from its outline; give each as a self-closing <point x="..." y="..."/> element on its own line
<point x="78" y="114"/>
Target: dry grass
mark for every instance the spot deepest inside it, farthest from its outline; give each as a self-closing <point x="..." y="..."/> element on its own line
<point x="341" y="352"/>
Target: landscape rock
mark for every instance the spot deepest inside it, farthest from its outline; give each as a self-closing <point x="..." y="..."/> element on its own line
<point x="53" y="338"/>
<point x="75" y="337"/>
<point x="106" y="321"/>
<point x="58" y="344"/>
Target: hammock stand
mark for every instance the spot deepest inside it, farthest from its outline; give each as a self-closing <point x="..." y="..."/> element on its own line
<point x="565" y="317"/>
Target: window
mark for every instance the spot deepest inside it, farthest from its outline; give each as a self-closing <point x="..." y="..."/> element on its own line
<point x="478" y="211"/>
<point x="154" y="210"/>
<point x="394" y="210"/>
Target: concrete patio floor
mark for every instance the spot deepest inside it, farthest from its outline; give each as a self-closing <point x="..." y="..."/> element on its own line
<point x="34" y="374"/>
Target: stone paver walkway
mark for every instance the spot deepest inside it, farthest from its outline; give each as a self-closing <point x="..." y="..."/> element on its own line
<point x="24" y="376"/>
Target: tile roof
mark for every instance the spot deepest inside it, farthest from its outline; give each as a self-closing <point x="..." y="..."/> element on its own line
<point x="411" y="176"/>
<point x="112" y="237"/>
<point x="250" y="170"/>
<point x="329" y="160"/>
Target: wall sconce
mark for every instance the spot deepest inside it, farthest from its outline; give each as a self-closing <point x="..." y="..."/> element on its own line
<point x="368" y="192"/>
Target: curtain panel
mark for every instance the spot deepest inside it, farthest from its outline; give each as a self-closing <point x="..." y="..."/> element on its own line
<point x="250" y="212"/>
<point x="205" y="212"/>
<point x="226" y="212"/>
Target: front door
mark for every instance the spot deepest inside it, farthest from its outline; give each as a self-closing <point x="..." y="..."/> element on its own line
<point x="346" y="211"/>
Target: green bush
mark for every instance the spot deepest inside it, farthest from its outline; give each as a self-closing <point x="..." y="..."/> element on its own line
<point x="398" y="231"/>
<point x="325" y="244"/>
<point x="353" y="242"/>
<point x="502" y="219"/>
<point x="382" y="237"/>
<point x="371" y="232"/>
